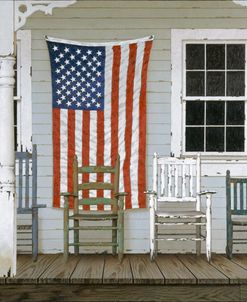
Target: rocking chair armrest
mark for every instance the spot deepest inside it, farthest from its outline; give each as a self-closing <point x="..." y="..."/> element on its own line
<point x="150" y="192"/>
<point x="68" y="194"/>
<point x="38" y="206"/>
<point x="120" y="194"/>
<point x="208" y="200"/>
<point x="207" y="192"/>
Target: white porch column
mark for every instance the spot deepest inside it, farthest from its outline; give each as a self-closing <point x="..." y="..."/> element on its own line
<point x="7" y="176"/>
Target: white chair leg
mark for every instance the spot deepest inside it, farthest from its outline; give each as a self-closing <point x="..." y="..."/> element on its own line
<point x="209" y="227"/>
<point x="152" y="234"/>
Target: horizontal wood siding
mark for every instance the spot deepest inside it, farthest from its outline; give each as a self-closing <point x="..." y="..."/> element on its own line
<point x="117" y="20"/>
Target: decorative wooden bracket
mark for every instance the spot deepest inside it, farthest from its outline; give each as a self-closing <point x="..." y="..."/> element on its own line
<point x="24" y="9"/>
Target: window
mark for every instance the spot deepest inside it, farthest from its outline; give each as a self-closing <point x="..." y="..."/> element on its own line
<point x="208" y="77"/>
<point x="214" y="71"/>
<point x="23" y="93"/>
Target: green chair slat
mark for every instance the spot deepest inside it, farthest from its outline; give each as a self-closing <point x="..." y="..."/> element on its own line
<point x="101" y="228"/>
<point x="93" y="216"/>
<point x="96" y="169"/>
<point x="95" y="201"/>
<point x="93" y="244"/>
<point x="95" y="186"/>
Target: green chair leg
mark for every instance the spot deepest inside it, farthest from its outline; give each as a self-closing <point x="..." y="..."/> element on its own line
<point x="120" y="235"/>
<point x="114" y="237"/>
<point x="66" y="229"/>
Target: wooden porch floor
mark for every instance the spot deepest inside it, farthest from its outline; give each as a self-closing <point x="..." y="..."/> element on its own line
<point x="103" y="278"/>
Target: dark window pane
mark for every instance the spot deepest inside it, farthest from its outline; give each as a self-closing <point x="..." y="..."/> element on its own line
<point x="235" y="83"/>
<point x="234" y="139"/>
<point x="235" y="113"/>
<point x="194" y="113"/>
<point x="215" y="113"/>
<point x="195" y="56"/>
<point x="194" y="139"/>
<point x="215" y="83"/>
<point x="194" y="83"/>
<point x="235" y="56"/>
<point x="215" y="56"/>
<point x="215" y="139"/>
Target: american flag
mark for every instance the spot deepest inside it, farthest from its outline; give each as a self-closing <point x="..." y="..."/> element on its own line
<point x="99" y="111"/>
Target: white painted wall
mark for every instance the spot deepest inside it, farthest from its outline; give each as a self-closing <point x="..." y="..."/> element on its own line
<point x="116" y="20"/>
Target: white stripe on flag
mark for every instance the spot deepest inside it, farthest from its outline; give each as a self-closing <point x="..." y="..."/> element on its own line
<point x="135" y="125"/>
<point x="122" y="110"/>
<point x="107" y="117"/>
<point x="78" y="140"/>
<point x="93" y="150"/>
<point x="63" y="151"/>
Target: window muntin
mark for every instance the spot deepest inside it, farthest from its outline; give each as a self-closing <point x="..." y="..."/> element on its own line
<point x="214" y="85"/>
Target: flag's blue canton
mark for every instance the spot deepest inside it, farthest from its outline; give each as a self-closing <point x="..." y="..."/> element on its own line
<point x="78" y="74"/>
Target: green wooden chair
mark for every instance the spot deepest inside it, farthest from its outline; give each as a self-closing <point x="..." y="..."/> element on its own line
<point x="236" y="210"/>
<point x="115" y="203"/>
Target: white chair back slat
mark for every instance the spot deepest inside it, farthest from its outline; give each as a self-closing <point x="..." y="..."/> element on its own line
<point x="177" y="179"/>
<point x="162" y="180"/>
<point x="169" y="178"/>
<point x="183" y="180"/>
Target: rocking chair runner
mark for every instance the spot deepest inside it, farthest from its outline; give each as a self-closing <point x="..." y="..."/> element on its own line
<point x="177" y="180"/>
<point x="115" y="202"/>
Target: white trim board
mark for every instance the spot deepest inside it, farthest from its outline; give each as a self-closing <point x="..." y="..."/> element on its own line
<point x="24" y="91"/>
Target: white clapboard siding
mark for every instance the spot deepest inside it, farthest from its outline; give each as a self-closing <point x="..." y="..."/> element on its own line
<point x="116" y="20"/>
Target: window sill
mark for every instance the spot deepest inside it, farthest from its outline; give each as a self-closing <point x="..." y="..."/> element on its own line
<point x="217" y="166"/>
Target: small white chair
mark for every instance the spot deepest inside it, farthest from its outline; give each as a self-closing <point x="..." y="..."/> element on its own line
<point x="179" y="180"/>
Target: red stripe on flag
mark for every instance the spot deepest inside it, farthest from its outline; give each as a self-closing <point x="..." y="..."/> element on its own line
<point x="71" y="152"/>
<point x="128" y="127"/>
<point x="100" y="151"/>
<point x="56" y="157"/>
<point x="142" y="127"/>
<point x="115" y="104"/>
<point x="85" y="150"/>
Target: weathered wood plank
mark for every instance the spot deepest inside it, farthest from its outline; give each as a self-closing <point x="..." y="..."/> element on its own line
<point x="60" y="270"/>
<point x="89" y="270"/>
<point x="174" y="271"/>
<point x="31" y="271"/>
<point x="116" y="272"/>
<point x="240" y="260"/>
<point x="23" y="260"/>
<point x="202" y="270"/>
<point x="124" y="293"/>
<point x="234" y="272"/>
<point x="144" y="271"/>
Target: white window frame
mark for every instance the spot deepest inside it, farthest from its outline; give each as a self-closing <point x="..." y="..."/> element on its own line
<point x="24" y="90"/>
<point x="178" y="39"/>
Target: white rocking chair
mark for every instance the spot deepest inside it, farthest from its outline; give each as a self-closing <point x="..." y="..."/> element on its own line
<point x="179" y="180"/>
